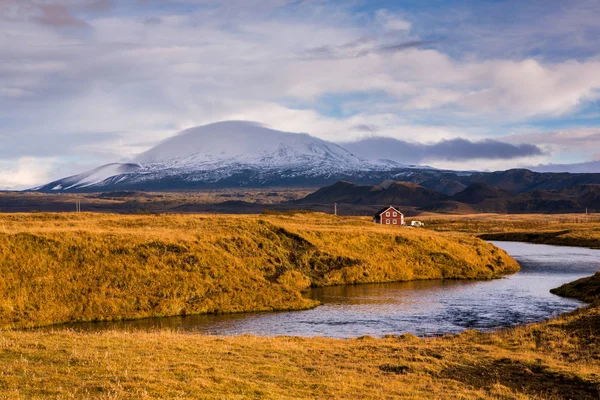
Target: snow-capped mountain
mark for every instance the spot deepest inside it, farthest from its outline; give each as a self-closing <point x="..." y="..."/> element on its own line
<point x="231" y="154"/>
<point x="250" y="144"/>
<point x="102" y="174"/>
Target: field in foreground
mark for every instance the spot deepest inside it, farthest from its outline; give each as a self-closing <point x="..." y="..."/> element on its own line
<point x="559" y="359"/>
<point x="81" y="267"/>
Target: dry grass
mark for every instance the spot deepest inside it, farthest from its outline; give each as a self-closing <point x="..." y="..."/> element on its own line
<point x="80" y="267"/>
<point x="559" y="359"/>
<point x="557" y="229"/>
<point x="585" y="289"/>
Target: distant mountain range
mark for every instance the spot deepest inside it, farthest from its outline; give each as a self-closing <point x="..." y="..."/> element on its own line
<point x="245" y="154"/>
<point x="476" y="197"/>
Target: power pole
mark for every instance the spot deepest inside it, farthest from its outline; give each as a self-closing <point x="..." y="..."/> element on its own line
<point x="335" y="208"/>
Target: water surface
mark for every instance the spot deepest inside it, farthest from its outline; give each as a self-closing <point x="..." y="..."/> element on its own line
<point x="421" y="307"/>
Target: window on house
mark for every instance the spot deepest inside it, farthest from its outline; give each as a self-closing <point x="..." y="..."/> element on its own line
<point x="395" y="222"/>
<point x="387" y="214"/>
<point x="395" y="214"/>
<point x="387" y="221"/>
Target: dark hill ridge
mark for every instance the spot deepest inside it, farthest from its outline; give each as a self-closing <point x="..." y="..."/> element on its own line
<point x="512" y="180"/>
<point x="399" y="193"/>
<point x="477" y="197"/>
<point x="524" y="180"/>
<point x="480" y="192"/>
<point x="589" y="194"/>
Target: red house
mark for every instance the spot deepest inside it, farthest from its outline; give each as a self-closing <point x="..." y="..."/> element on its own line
<point x="389" y="216"/>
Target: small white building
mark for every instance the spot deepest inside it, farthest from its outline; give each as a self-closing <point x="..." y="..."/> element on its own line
<point x="418" y="224"/>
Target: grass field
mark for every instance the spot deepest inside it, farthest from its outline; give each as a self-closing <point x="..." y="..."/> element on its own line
<point x="111" y="265"/>
<point x="556" y="229"/>
<point x="82" y="267"/>
<point x="559" y="359"/>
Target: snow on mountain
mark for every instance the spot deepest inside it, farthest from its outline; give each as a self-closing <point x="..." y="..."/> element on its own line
<point x="93" y="177"/>
<point x="247" y="143"/>
<point x="231" y="153"/>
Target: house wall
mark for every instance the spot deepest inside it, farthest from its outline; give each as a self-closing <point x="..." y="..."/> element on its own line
<point x="392" y="219"/>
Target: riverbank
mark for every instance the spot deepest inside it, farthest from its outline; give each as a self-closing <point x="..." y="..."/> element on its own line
<point x="577" y="237"/>
<point x="57" y="268"/>
<point x="585" y="289"/>
<point x="576" y="230"/>
<point x="558" y="359"/>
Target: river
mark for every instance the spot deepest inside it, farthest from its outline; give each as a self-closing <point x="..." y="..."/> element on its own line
<point x="423" y="308"/>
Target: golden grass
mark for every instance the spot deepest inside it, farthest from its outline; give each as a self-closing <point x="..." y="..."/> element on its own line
<point x="556" y="229"/>
<point x="559" y="359"/>
<point x="80" y="267"/>
<point x="585" y="289"/>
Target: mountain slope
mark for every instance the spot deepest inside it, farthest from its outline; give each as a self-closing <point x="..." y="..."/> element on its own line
<point x="398" y="193"/>
<point x="477" y="197"/>
<point x="231" y="154"/>
<point x="247" y="143"/>
<point x="479" y="192"/>
<point x="246" y="154"/>
<point x="105" y="175"/>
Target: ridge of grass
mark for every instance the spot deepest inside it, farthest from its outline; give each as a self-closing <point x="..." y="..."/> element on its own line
<point x="57" y="268"/>
<point x="584" y="289"/>
<point x="560" y="230"/>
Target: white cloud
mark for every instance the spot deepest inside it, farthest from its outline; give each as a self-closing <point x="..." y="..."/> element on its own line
<point x="391" y="22"/>
<point x="566" y="145"/>
<point x="488" y="165"/>
<point x="25" y="172"/>
<point x="147" y="78"/>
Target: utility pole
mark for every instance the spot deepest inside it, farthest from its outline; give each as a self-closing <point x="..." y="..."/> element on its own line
<point x="335" y="208"/>
<point x="586" y="215"/>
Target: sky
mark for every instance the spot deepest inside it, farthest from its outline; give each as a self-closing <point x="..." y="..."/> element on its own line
<point x="461" y="84"/>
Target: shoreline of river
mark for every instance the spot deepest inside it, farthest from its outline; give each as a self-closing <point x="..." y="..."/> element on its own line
<point x="423" y="307"/>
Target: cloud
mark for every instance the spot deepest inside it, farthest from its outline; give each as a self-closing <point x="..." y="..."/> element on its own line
<point x="405" y="45"/>
<point x="365" y="128"/>
<point x="390" y="21"/>
<point x="458" y="149"/>
<point x="585" y="167"/>
<point x="40" y="145"/>
<point x="58" y="15"/>
<point x="52" y="13"/>
<point x="567" y="145"/>
<point x="361" y="48"/>
<point x="25" y="173"/>
<point x="148" y="69"/>
<point x="572" y="139"/>
<point x="549" y="30"/>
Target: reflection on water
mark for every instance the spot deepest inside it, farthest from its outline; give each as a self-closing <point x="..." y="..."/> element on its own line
<point x="421" y="307"/>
